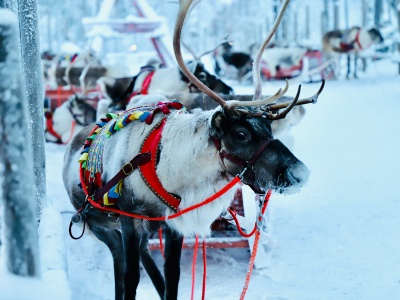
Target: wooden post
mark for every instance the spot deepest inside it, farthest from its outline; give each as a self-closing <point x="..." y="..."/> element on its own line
<point x="16" y="162"/>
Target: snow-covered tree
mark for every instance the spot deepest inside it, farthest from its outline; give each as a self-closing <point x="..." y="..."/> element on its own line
<point x="31" y="65"/>
<point x="17" y="182"/>
<point x="378" y="12"/>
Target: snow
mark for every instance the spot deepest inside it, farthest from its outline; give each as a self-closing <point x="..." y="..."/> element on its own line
<point x="336" y="239"/>
<point x="8" y="17"/>
<point x="69" y="47"/>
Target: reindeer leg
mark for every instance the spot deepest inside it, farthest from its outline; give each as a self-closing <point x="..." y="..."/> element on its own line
<point x="112" y="238"/>
<point x="131" y="241"/>
<point x="173" y="250"/>
<point x="355" y="65"/>
<point x="150" y="266"/>
<point x="348" y="66"/>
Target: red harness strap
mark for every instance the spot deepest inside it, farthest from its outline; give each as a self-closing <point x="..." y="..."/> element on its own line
<point x="358" y="40"/>
<point x="49" y="126"/>
<point x="146" y="83"/>
<point x="350" y="46"/>
<point x="148" y="171"/>
<point x="145" y="87"/>
<point x="126" y="170"/>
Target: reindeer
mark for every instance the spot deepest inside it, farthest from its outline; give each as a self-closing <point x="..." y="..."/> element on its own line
<point x="152" y="79"/>
<point x="225" y="58"/>
<point x="68" y="119"/>
<point x="279" y="58"/>
<point x="193" y="155"/>
<point x="71" y="116"/>
<point x="350" y="42"/>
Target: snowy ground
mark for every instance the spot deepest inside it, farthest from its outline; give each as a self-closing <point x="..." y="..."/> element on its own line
<point x="337" y="239"/>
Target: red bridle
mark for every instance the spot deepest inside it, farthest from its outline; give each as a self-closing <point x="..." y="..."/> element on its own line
<point x="247" y="165"/>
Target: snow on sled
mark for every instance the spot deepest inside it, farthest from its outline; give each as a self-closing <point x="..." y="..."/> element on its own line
<point x="281" y="63"/>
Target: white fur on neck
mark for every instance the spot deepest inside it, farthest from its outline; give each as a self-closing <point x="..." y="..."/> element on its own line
<point x="165" y="81"/>
<point x="62" y="122"/>
<point x="190" y="167"/>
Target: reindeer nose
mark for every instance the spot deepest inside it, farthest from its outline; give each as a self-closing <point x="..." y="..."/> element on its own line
<point x="297" y="175"/>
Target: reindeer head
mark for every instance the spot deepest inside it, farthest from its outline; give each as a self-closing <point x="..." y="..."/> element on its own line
<point x="376" y="35"/>
<point x="213" y="82"/>
<point x="241" y="130"/>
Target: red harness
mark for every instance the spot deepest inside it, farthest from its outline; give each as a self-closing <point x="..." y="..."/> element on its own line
<point x="146" y="83"/>
<point x="358" y="40"/>
<point x="145" y="86"/>
<point x="51" y="131"/>
<point x="146" y="161"/>
<point x="49" y="126"/>
<point x="148" y="170"/>
<point x="350" y="46"/>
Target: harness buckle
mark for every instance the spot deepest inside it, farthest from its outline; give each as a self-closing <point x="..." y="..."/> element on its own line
<point x="260" y="220"/>
<point x="260" y="216"/>
<point x="242" y="173"/>
<point x="128" y="172"/>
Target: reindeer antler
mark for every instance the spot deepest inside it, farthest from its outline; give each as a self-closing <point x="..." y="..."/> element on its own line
<point x="266" y="106"/>
<point x="272" y="110"/>
<point x="313" y="99"/>
<point x="66" y="75"/>
<point x="198" y="57"/>
<point x="183" y="11"/>
<point x="256" y="68"/>
<point x="271" y="99"/>
<point x="82" y="77"/>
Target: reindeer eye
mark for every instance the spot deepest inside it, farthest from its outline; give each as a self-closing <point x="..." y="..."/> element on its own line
<point x="241" y="136"/>
<point x="202" y="76"/>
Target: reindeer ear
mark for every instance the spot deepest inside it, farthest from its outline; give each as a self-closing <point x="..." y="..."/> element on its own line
<point x="219" y="124"/>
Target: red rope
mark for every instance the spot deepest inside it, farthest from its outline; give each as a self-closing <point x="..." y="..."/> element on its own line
<point x="255" y="247"/>
<point x="233" y="214"/>
<point x="242" y="233"/>
<point x="266" y="200"/>
<point x="251" y="264"/>
<point x="161" y="243"/>
<point x="203" y="291"/>
<point x="195" y="249"/>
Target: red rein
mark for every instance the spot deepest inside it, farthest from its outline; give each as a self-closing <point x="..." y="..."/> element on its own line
<point x="218" y="194"/>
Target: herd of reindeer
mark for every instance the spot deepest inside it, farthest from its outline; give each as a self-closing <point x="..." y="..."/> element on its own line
<point x="85" y="73"/>
<point x="201" y="148"/>
<point x="116" y="94"/>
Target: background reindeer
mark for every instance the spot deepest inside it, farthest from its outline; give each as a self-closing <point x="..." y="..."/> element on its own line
<point x="155" y="80"/>
<point x="225" y="58"/>
<point x="70" y="117"/>
<point x="212" y="146"/>
<point x="350" y="42"/>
